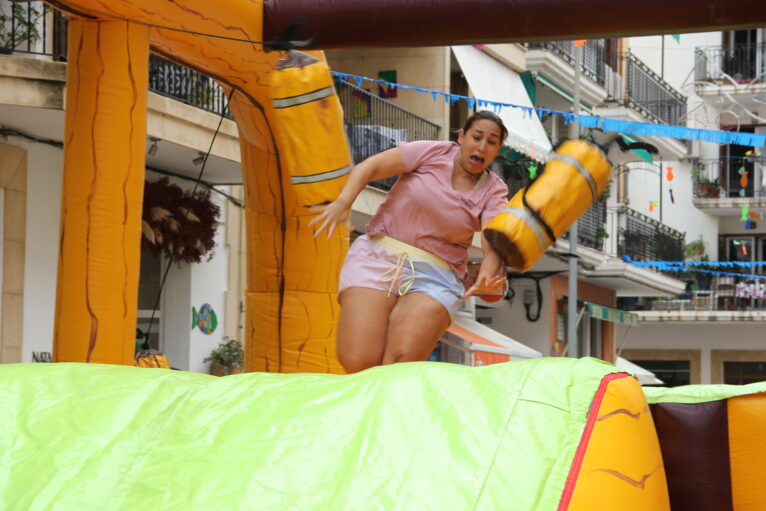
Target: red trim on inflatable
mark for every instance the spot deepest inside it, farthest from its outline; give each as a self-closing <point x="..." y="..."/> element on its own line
<point x="569" y="487"/>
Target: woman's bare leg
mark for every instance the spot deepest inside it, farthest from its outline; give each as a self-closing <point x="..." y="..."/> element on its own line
<point x="362" y="327"/>
<point x="415" y="324"/>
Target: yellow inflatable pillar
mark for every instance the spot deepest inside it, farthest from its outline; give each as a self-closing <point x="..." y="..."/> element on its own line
<point x="292" y="278"/>
<point x="104" y="161"/>
<point x="618" y="464"/>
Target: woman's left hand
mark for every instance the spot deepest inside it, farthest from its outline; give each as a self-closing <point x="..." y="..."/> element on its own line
<point x="485" y="285"/>
<point x="329" y="216"/>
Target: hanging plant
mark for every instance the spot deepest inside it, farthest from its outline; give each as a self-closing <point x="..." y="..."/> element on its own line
<point x="178" y="224"/>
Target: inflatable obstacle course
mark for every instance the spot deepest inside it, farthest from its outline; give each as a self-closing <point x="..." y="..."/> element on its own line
<point x="543" y="434"/>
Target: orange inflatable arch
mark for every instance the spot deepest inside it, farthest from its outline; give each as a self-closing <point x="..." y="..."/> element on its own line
<point x="294" y="154"/>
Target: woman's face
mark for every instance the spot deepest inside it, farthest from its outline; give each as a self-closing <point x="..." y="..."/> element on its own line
<point x="479" y="145"/>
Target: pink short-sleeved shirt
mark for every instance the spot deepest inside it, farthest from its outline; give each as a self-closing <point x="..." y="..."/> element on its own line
<point x="422" y="209"/>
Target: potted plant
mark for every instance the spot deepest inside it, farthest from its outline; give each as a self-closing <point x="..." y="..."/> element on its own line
<point x="706" y="188"/>
<point x="704" y="280"/>
<point x="695" y="251"/>
<point x="227" y="358"/>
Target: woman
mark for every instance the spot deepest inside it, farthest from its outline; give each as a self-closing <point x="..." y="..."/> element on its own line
<point x="401" y="282"/>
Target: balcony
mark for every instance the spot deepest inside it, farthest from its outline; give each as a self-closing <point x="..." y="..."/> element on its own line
<point x="374" y="125"/>
<point x="725" y="299"/>
<point x="742" y="63"/>
<point x="41" y="31"/>
<point x="638" y="94"/>
<point x="643" y="238"/>
<point x="650" y="95"/>
<point x="553" y="62"/>
<point x="718" y="185"/>
<point x="187" y="86"/>
<point x="593" y="56"/>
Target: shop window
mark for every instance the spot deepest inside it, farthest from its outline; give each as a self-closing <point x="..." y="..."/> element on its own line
<point x="741" y="373"/>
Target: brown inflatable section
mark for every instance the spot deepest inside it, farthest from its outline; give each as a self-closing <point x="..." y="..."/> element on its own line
<point x="714" y="453"/>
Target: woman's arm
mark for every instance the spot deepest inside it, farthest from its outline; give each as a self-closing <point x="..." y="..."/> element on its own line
<point x="380" y="166"/>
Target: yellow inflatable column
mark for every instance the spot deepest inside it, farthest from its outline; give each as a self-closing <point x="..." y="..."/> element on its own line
<point x="618" y="464"/>
<point x="292" y="277"/>
<point x="104" y="159"/>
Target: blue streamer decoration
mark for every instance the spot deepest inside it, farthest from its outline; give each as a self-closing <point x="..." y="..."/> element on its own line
<point x="697" y="266"/>
<point x="590" y="121"/>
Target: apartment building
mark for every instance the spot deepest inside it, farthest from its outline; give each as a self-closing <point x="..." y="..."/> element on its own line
<point x="713" y="332"/>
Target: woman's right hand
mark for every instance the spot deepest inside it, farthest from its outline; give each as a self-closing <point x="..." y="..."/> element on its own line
<point x="330" y="215"/>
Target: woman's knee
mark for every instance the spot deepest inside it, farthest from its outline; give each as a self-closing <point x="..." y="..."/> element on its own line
<point x="404" y="355"/>
<point x="405" y="348"/>
<point x="355" y="362"/>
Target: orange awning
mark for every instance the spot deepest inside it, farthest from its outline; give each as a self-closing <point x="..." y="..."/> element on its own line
<point x="478" y="337"/>
<point x="471" y="337"/>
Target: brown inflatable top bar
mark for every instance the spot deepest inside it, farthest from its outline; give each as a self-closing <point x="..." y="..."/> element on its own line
<point x="375" y="23"/>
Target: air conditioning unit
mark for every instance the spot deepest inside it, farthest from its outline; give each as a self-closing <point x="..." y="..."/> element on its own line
<point x="614" y="86"/>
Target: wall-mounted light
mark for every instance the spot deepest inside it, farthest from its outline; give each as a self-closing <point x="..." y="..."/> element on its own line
<point x="199" y="159"/>
<point x="153" y="146"/>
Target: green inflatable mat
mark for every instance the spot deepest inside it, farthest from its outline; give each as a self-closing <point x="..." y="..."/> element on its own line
<point x="417" y="436"/>
<point x="691" y="394"/>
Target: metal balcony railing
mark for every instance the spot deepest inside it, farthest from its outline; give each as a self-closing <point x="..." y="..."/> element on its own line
<point x="593" y="56"/>
<point x="374" y="125"/>
<point x="591" y="226"/>
<point x="26" y="27"/>
<point x="741" y="62"/>
<point x="645" y="239"/>
<point x="716" y="293"/>
<point x="650" y="95"/>
<point x="186" y="85"/>
<point x="39" y="30"/>
<point x="725" y="177"/>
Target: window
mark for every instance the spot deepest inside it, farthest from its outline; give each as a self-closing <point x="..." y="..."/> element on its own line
<point x="740" y="373"/>
<point x="673" y="373"/>
<point x="740" y="249"/>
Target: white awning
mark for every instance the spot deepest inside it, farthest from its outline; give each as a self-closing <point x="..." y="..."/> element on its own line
<point x="645" y="377"/>
<point x="492" y="81"/>
<point x="482" y="338"/>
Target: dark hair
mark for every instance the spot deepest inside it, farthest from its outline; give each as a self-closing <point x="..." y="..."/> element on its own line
<point x="487" y="116"/>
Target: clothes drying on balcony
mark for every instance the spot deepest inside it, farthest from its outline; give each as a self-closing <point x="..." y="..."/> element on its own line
<point x="366" y="140"/>
<point x="490" y="80"/>
<point x="751" y="290"/>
